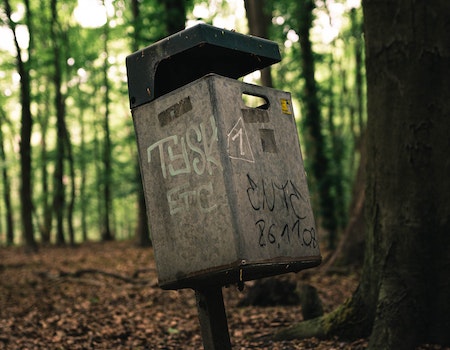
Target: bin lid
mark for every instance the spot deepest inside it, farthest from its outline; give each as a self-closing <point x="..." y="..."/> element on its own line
<point x="192" y="53"/>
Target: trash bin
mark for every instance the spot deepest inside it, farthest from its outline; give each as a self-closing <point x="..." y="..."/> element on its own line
<point x="224" y="183"/>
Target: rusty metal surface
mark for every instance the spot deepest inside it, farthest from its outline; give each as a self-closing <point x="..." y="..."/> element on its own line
<point x="192" y="53"/>
<point x="225" y="187"/>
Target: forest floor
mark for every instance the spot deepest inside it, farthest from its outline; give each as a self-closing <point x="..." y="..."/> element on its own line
<point x="106" y="296"/>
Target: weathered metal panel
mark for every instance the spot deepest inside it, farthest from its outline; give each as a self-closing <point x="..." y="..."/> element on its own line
<point x="183" y="181"/>
<point x="272" y="203"/>
<point x="225" y="186"/>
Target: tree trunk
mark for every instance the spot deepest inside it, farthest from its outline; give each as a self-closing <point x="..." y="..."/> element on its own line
<point x="107" y="234"/>
<point x="350" y="250"/>
<point x="83" y="177"/>
<point x="357" y="32"/>
<point x="59" y="192"/>
<point x="6" y="186"/>
<point x="142" y="229"/>
<point x="45" y="224"/>
<point x="337" y="154"/>
<point x="71" y="204"/>
<point x="26" y="197"/>
<point x="403" y="296"/>
<point x="174" y="20"/>
<point x="259" y="22"/>
<point x="174" y="15"/>
<point x="315" y="141"/>
<point x="408" y="65"/>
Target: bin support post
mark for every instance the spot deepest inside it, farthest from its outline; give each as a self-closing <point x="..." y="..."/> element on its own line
<point x="213" y="319"/>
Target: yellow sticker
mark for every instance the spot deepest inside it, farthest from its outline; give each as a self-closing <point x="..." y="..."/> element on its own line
<point x="286" y="106"/>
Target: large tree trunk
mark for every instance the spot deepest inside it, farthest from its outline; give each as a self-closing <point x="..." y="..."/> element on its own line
<point x="405" y="285"/>
<point x="408" y="66"/>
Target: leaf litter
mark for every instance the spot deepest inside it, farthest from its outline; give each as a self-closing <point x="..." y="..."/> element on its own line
<point x="106" y="296"/>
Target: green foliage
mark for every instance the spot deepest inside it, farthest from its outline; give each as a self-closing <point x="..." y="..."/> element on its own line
<point x="338" y="54"/>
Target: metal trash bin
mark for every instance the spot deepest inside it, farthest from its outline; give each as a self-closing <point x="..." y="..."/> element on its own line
<point x="224" y="183"/>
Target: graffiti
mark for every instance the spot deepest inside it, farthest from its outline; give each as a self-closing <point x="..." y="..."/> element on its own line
<point x="189" y="153"/>
<point x="291" y="208"/>
<point x="285" y="234"/>
<point x="270" y="195"/>
<point x="238" y="146"/>
<point x="182" y="198"/>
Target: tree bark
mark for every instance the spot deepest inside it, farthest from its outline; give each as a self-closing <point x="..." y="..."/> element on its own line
<point x="402" y="299"/>
<point x="408" y="65"/>
<point x="258" y="24"/>
<point x="45" y="224"/>
<point x="26" y="197"/>
<point x="107" y="234"/>
<point x="71" y="204"/>
<point x="59" y="192"/>
<point x="174" y="21"/>
<point x="142" y="233"/>
<point x="82" y="164"/>
<point x="312" y="121"/>
<point x="175" y="15"/>
<point x="6" y="186"/>
<point x="350" y="250"/>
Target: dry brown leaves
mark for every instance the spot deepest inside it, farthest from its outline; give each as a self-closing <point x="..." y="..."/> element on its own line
<point x="105" y="296"/>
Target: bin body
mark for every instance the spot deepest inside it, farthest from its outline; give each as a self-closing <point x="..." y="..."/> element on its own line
<point x="225" y="187"/>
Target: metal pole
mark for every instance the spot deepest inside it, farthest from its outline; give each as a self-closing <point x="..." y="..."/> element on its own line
<point x="213" y="319"/>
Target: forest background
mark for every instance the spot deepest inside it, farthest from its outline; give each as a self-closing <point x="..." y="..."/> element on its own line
<point x="70" y="168"/>
<point x="68" y="152"/>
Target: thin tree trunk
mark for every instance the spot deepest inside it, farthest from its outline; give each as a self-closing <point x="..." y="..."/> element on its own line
<point x="98" y="171"/>
<point x="107" y="234"/>
<point x="45" y="225"/>
<point x="259" y="22"/>
<point x="142" y="228"/>
<point x="59" y="203"/>
<point x="337" y="152"/>
<point x="71" y="205"/>
<point x="175" y="15"/>
<point x="82" y="165"/>
<point x="312" y="121"/>
<point x="6" y="187"/>
<point x="350" y="250"/>
<point x="359" y="65"/>
<point x="26" y="197"/>
<point x="47" y="211"/>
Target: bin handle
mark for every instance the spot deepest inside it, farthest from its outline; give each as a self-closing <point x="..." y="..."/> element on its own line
<point x="255" y="100"/>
